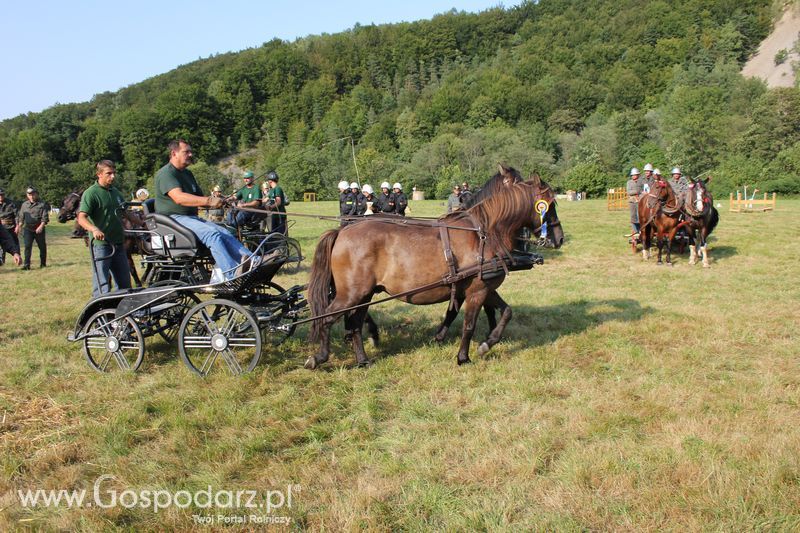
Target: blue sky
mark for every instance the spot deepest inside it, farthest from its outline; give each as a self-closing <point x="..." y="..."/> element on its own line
<point x="67" y="51"/>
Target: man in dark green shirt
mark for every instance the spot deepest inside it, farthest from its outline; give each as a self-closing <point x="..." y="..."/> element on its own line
<point x="100" y="213"/>
<point x="276" y="201"/>
<point x="247" y="196"/>
<point x="178" y="195"/>
<point x="33" y="216"/>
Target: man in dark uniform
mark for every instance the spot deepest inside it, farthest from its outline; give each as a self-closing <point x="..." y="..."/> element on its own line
<point x="361" y="200"/>
<point x="385" y="199"/>
<point x="466" y="195"/>
<point x="101" y="211"/>
<point x="8" y="220"/>
<point x="33" y="216"/>
<point x="276" y="201"/>
<point x="178" y="196"/>
<point x="400" y="200"/>
<point x="347" y="202"/>
<point x="247" y="196"/>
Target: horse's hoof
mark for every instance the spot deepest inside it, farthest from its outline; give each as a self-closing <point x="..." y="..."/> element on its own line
<point x="483" y="349"/>
<point x="365" y="364"/>
<point x="669" y="263"/>
<point x="466" y="361"/>
<point x="373" y="341"/>
<point x="660" y="263"/>
<point x="706" y="266"/>
<point x="311" y="363"/>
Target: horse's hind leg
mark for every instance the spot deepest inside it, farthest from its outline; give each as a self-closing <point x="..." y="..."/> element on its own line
<point x="357" y="321"/>
<point x="494" y="301"/>
<point x="372" y="329"/>
<point x="471" y="309"/>
<point x="134" y="273"/>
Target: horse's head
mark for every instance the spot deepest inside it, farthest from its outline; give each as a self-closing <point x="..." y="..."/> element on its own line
<point x="698" y="198"/>
<point x="546" y="224"/>
<point x="69" y="207"/>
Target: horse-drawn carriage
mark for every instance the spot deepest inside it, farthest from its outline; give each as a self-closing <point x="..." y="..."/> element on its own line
<point x="230" y="327"/>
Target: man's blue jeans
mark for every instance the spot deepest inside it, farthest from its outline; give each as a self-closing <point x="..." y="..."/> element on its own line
<point x="110" y="260"/>
<point x="225" y="248"/>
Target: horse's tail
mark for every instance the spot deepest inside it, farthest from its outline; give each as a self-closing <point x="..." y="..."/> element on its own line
<point x="320" y="284"/>
<point x="713" y="220"/>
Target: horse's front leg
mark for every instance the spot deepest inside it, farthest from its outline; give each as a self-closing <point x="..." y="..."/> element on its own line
<point x="660" y="244"/>
<point x="132" y="267"/>
<point x="494" y="301"/>
<point x="471" y="309"/>
<point x="356" y="322"/>
<point x="704" y="248"/>
<point x="450" y="315"/>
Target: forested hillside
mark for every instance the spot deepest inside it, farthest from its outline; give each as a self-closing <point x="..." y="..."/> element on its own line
<point x="578" y="90"/>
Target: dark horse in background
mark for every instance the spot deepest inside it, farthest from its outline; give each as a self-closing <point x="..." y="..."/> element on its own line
<point x="662" y="214"/>
<point x="132" y="220"/>
<point x="380" y="254"/>
<point x="701" y="219"/>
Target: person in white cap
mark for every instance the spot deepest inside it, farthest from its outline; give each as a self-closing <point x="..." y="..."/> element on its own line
<point x="647" y="180"/>
<point x="634" y="189"/>
<point x="369" y="198"/>
<point x="385" y="199"/>
<point x="400" y="200"/>
<point x="361" y="201"/>
<point x="347" y="202"/>
<point x="678" y="183"/>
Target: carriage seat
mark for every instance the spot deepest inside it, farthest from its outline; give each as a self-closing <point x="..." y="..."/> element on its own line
<point x="169" y="237"/>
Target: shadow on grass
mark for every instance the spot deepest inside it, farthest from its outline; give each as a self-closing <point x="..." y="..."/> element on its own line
<point x="532" y="325"/>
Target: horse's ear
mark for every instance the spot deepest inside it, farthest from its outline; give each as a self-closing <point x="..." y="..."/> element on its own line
<point x="705" y="181"/>
<point x="504" y="170"/>
<point x="536" y="179"/>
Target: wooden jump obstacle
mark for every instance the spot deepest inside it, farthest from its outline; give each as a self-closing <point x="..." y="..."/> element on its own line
<point x="617" y="199"/>
<point x="745" y="205"/>
<point x="309" y="197"/>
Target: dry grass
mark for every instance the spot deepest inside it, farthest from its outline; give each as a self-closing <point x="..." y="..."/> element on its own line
<point x="624" y="396"/>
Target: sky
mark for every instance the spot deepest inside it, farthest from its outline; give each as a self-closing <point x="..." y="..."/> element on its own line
<point x="67" y="51"/>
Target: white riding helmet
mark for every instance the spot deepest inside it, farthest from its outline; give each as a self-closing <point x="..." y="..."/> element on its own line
<point x="657" y="172"/>
<point x="648" y="166"/>
<point x="354" y="185"/>
<point x="367" y="189"/>
<point x="385" y="185"/>
<point x="142" y="194"/>
<point x="635" y="171"/>
<point x="343" y="185"/>
<point x="675" y="170"/>
<point x="397" y="186"/>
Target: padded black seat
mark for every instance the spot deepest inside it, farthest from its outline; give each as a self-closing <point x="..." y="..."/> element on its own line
<point x="170" y="238"/>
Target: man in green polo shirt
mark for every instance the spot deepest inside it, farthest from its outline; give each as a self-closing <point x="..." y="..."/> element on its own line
<point x="178" y="195"/>
<point x="247" y="196"/>
<point x="100" y="212"/>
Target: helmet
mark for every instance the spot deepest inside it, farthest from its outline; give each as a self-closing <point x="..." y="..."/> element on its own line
<point x="635" y="171"/>
<point x="216" y="188"/>
<point x="142" y="194"/>
<point x="385" y="185"/>
<point x="272" y="176"/>
<point x="648" y="166"/>
<point x="265" y="185"/>
<point x="343" y="185"/>
<point x="354" y="185"/>
<point x="657" y="172"/>
<point x="367" y="189"/>
<point x="397" y="186"/>
<point x="248" y="175"/>
<point x="675" y="170"/>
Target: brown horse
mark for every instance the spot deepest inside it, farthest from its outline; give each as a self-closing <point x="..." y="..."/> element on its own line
<point x="131" y="220"/>
<point x="701" y="219"/>
<point x="383" y="254"/>
<point x="659" y="216"/>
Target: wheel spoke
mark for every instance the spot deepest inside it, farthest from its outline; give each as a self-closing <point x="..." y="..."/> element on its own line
<point x="233" y="363"/>
<point x="121" y="361"/>
<point x="208" y="322"/>
<point x="210" y="358"/>
<point x="230" y="322"/>
<point x="105" y="361"/>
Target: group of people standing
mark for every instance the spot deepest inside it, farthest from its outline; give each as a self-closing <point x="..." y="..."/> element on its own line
<point x="29" y="221"/>
<point x="355" y="200"/>
<point x="460" y="197"/>
<point x="638" y="186"/>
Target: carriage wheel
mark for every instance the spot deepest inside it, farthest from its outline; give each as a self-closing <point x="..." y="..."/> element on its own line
<point x="282" y="329"/>
<point x="219" y="333"/>
<point x="169" y="321"/>
<point x="117" y="346"/>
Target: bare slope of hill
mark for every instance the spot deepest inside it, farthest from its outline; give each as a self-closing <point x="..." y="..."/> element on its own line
<point x="784" y="36"/>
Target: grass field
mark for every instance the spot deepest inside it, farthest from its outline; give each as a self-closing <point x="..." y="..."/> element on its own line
<point x="623" y="396"/>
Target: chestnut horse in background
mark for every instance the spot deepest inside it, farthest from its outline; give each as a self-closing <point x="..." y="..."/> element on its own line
<point x="385" y="254"/>
<point x="131" y="220"/>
